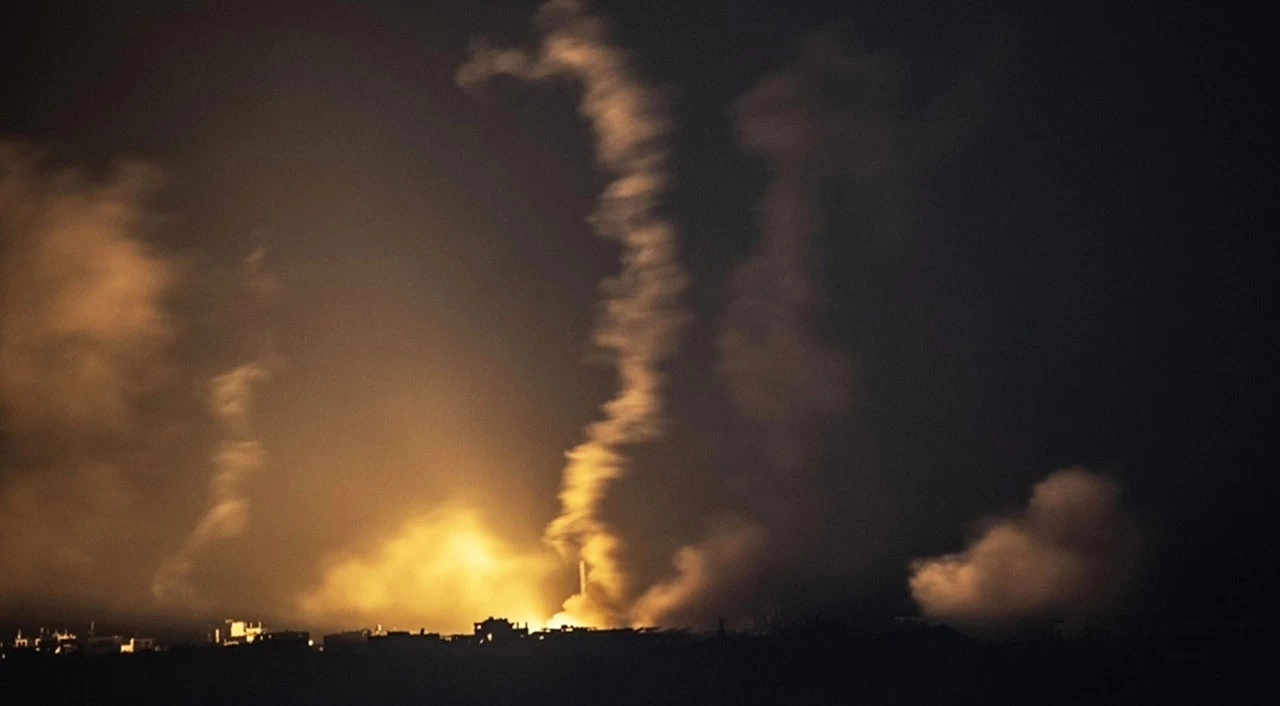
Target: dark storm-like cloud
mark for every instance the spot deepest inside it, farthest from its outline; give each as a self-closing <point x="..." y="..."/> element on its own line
<point x="1072" y="553"/>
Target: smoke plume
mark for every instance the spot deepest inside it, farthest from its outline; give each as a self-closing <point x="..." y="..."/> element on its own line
<point x="725" y="557"/>
<point x="779" y="371"/>
<point x="834" y="116"/>
<point x="237" y="457"/>
<point x="640" y="313"/>
<point x="1071" y="554"/>
<point x="82" y="320"/>
<point x="84" y="337"/>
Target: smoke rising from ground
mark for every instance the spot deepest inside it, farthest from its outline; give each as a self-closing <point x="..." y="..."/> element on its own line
<point x="834" y="116"/>
<point x="641" y="316"/>
<point x="1071" y="553"/>
<point x="838" y="123"/>
<point x="725" y="557"/>
<point x="237" y="457"/>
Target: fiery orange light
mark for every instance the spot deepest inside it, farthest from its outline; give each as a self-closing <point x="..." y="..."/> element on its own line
<point x="442" y="571"/>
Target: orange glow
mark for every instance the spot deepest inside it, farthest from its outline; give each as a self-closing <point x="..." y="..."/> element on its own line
<point x="442" y="571"/>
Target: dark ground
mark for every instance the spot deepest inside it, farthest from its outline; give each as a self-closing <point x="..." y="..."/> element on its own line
<point x="819" y="665"/>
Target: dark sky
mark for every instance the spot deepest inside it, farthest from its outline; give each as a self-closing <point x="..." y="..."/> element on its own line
<point x="1073" y="275"/>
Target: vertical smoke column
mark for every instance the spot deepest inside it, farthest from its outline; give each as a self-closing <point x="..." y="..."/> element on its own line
<point x="832" y="113"/>
<point x="779" y="370"/>
<point x="640" y="313"/>
<point x="238" y="455"/>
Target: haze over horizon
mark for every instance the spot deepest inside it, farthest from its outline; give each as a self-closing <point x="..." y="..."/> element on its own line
<point x="626" y="314"/>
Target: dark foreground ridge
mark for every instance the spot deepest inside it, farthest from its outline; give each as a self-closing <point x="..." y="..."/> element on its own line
<point x="814" y="663"/>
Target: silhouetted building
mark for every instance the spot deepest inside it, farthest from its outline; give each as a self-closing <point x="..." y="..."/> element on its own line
<point x="290" y="640"/>
<point x="99" y="645"/>
<point x="238" y="632"/>
<point x="403" y="642"/>
<point x="609" y="639"/>
<point x="60" y="642"/>
<point x="346" y="642"/>
<point x="138" y="644"/>
<point x="499" y="631"/>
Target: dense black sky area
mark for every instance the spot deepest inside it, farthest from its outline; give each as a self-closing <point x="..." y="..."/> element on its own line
<point x="1084" y="280"/>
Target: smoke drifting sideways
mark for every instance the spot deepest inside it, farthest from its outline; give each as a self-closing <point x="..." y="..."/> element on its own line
<point x="1074" y="553"/>
<point x="641" y="317"/>
<point x="84" y="337"/>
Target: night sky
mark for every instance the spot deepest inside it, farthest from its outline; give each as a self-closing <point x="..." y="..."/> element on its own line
<point x="299" y="319"/>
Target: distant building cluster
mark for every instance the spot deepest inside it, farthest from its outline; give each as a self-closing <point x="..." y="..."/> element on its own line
<point x="489" y="633"/>
<point x="65" y="642"/>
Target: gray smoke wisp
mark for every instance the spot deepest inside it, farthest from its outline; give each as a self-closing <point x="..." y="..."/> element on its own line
<point x="834" y="116"/>
<point x="779" y="371"/>
<point x="1072" y="553"/>
<point x="229" y="400"/>
<point x="641" y="316"/>
<point x="237" y="457"/>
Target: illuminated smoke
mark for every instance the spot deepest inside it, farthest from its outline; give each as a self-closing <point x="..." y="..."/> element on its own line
<point x="1071" y="554"/>
<point x="84" y="334"/>
<point x="238" y="456"/>
<point x="701" y="569"/>
<point x="641" y="316"/>
<point x="82" y="321"/>
<point x="441" y="570"/>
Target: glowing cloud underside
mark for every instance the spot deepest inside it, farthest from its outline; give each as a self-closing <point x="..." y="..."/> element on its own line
<point x="641" y="316"/>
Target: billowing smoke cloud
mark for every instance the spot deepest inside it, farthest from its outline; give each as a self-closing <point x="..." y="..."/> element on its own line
<point x="724" y="557"/>
<point x="1071" y="554"/>
<point x="237" y="457"/>
<point x="84" y="334"/>
<point x="641" y="316"/>
<point x="439" y="570"/>
<point x="82" y="319"/>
